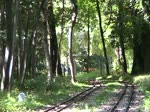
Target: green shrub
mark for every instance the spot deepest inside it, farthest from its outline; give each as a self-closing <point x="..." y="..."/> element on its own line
<point x="144" y="82"/>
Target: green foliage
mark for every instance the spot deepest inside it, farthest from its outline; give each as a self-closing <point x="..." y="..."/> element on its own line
<point x="37" y="95"/>
<point x="144" y="82"/>
<point x="84" y="77"/>
<point x="37" y="83"/>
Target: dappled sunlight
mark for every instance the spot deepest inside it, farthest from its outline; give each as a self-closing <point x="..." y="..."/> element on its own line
<point x="114" y="84"/>
<point x="81" y="84"/>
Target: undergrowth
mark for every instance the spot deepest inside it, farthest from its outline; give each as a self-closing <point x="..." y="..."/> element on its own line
<point x="144" y="82"/>
<point x="38" y="94"/>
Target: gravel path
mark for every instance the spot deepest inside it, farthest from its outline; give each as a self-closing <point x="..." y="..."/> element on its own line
<point x="135" y="103"/>
<point x="89" y="104"/>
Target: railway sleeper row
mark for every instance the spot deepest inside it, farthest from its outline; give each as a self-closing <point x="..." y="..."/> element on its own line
<point x="80" y="96"/>
<point x="122" y="97"/>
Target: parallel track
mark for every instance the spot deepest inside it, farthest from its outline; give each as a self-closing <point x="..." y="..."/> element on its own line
<point x="126" y="95"/>
<point x="121" y="98"/>
<point x="70" y="101"/>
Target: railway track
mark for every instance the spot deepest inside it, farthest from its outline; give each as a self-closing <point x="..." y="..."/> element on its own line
<point x="78" y="97"/>
<point x="121" y="102"/>
<point x="124" y="101"/>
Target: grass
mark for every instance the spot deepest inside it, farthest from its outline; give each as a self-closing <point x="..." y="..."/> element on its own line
<point x="38" y="95"/>
<point x="92" y="104"/>
<point x="144" y="82"/>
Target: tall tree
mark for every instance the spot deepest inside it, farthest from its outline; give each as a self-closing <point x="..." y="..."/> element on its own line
<point x="102" y="37"/>
<point x="32" y="44"/>
<point x="70" y="35"/>
<point x="121" y="36"/>
<point x="2" y="28"/>
<point x="6" y="83"/>
<point x="19" y="32"/>
<point x="88" y="32"/>
<point x="61" y="37"/>
<point x="24" y="56"/>
<point x="53" y="40"/>
<point x="141" y="43"/>
<point x="47" y="47"/>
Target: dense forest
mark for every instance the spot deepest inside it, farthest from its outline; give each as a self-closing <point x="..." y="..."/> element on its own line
<point x="59" y="38"/>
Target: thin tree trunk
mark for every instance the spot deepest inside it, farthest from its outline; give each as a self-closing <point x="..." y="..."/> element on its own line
<point x="9" y="50"/>
<point x="32" y="44"/>
<point x="61" y="37"/>
<point x="2" y="21"/>
<point x="46" y="44"/>
<point x="53" y="41"/>
<point x="19" y="44"/>
<point x="121" y="37"/>
<point x="24" y="57"/>
<point x="71" y="63"/>
<point x="1" y="56"/>
<point x="124" y="64"/>
<point x="102" y="37"/>
<point x="88" y="57"/>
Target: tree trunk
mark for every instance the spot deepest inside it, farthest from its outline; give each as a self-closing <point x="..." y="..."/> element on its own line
<point x="53" y="41"/>
<point x="19" y="44"/>
<point x="102" y="37"/>
<point x="2" y="26"/>
<point x="6" y="83"/>
<point x="141" y="49"/>
<point x="24" y="57"/>
<point x="61" y="37"/>
<point x="32" y="44"/>
<point x="121" y="37"/>
<point x="46" y="44"/>
<point x="88" y="57"/>
<point x="71" y="63"/>
<point x="123" y="63"/>
<point x="138" y="61"/>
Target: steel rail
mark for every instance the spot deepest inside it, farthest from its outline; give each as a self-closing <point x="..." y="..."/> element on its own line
<point x="73" y="99"/>
<point x="121" y="97"/>
<point x="130" y="98"/>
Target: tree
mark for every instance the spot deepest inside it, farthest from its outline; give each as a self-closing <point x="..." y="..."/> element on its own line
<point x="121" y="36"/>
<point x="6" y="82"/>
<point x="47" y="47"/>
<point x="102" y="37"/>
<point x="88" y="57"/>
<point x="24" y="56"/>
<point x="53" y="41"/>
<point x="141" y="43"/>
<point x="2" y="35"/>
<point x="61" y="37"/>
<point x="71" y="63"/>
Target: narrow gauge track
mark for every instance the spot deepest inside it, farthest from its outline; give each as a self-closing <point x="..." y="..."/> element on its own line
<point x="123" y="105"/>
<point x="80" y="96"/>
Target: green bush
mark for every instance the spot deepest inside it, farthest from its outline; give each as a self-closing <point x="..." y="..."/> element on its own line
<point x="144" y="82"/>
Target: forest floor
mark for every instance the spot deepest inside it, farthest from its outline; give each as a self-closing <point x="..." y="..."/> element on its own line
<point x="104" y="99"/>
<point x="90" y="104"/>
<point x="37" y="98"/>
